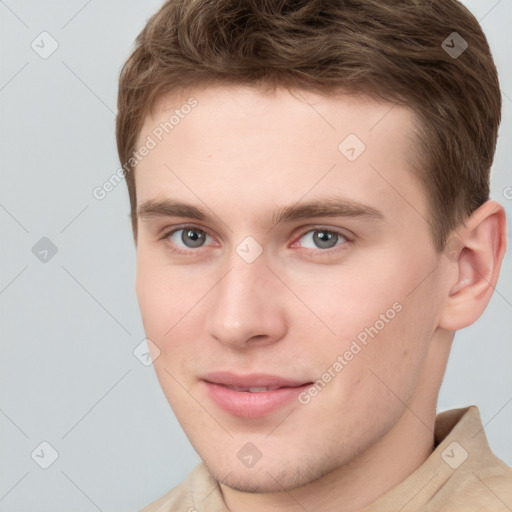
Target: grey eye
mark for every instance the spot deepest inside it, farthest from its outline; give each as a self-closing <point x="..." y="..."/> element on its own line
<point x="322" y="239"/>
<point x="190" y="238"/>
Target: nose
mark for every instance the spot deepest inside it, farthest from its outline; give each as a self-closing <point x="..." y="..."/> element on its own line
<point x="247" y="307"/>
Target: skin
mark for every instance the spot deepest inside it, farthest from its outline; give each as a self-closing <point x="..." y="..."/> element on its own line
<point x="240" y="154"/>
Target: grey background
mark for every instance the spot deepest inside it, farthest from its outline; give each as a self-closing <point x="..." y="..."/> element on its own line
<point x="68" y="375"/>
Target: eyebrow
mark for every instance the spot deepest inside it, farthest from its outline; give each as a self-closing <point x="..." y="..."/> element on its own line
<point x="324" y="207"/>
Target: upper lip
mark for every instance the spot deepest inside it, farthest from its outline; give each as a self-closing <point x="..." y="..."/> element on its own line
<point x="251" y="380"/>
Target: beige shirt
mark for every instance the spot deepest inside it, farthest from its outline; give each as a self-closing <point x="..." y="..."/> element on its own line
<point x="462" y="474"/>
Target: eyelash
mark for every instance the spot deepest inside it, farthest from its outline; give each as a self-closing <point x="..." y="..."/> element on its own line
<point x="340" y="246"/>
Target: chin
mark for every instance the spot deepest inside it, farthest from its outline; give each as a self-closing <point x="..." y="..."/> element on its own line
<point x="266" y="478"/>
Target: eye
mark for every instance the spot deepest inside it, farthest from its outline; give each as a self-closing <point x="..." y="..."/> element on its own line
<point x="325" y="239"/>
<point x="187" y="238"/>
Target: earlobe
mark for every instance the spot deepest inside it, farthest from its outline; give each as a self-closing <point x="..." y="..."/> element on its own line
<point x="476" y="249"/>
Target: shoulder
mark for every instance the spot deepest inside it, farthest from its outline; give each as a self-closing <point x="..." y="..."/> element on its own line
<point x="478" y="479"/>
<point x="487" y="481"/>
<point x="485" y="485"/>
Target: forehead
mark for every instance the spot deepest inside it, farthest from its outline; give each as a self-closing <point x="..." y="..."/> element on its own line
<point x="225" y="110"/>
<point x="245" y="147"/>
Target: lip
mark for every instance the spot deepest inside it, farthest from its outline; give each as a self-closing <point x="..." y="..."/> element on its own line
<point x="246" y="404"/>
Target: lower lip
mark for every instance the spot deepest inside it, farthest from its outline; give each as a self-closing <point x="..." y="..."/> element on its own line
<point x="251" y="405"/>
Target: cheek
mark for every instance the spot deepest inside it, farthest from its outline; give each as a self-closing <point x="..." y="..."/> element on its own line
<point x="170" y="307"/>
<point x="160" y="310"/>
<point x="152" y="298"/>
<point x="379" y="325"/>
<point x="164" y="299"/>
<point x="378" y="377"/>
<point x="353" y="304"/>
<point x="389" y="368"/>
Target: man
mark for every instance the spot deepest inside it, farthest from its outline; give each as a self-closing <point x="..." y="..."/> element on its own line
<point x="309" y="184"/>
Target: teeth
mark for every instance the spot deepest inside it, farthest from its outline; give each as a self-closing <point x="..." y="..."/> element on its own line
<point x="260" y="389"/>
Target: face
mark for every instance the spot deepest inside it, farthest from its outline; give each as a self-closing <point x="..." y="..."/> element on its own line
<point x="286" y="277"/>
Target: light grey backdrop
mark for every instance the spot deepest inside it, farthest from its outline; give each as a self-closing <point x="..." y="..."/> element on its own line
<point x="70" y="320"/>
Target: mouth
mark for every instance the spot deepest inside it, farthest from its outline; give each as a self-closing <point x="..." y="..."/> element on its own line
<point x="252" y="395"/>
<point x="260" y="389"/>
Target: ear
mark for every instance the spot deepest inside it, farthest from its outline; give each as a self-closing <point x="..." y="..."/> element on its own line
<point x="476" y="250"/>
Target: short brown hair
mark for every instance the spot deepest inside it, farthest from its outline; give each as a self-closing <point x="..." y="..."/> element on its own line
<point x="388" y="49"/>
